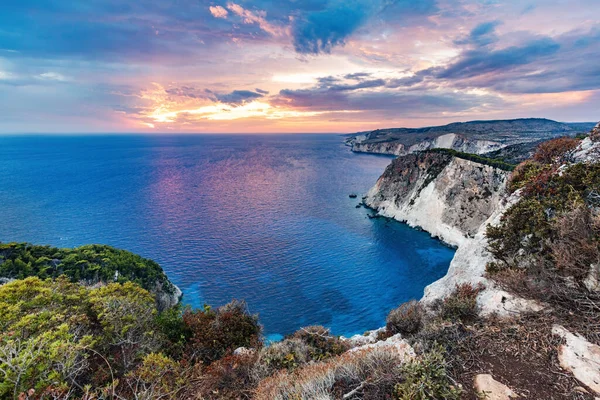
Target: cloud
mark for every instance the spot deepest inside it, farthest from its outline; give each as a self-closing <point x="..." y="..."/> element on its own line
<point x="321" y="30"/>
<point x="191" y="92"/>
<point x="257" y="90"/>
<point x="564" y="63"/>
<point x="258" y="17"/>
<point x="482" y="35"/>
<point x="238" y="97"/>
<point x="382" y="97"/>
<point x="218" y="11"/>
<point x="481" y="61"/>
<point x="53" y="76"/>
<point x="357" y="75"/>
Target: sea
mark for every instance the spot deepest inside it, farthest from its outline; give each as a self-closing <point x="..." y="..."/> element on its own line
<point x="263" y="218"/>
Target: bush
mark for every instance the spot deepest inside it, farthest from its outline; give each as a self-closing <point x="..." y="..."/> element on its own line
<point x="320" y="341"/>
<point x="171" y="325"/>
<point x="368" y="374"/>
<point x="215" y="333"/>
<point x="127" y="315"/>
<point x="90" y="263"/>
<point x="287" y="354"/>
<point x="157" y="377"/>
<point x="57" y="337"/>
<point x="496" y="163"/>
<point x="427" y="378"/>
<point x="229" y="378"/>
<point x="577" y="245"/>
<point x="406" y="319"/>
<point x="554" y="150"/>
<point x="523" y="173"/>
<point x="461" y="305"/>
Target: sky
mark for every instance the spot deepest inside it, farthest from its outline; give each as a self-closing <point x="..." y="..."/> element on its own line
<point x="293" y="65"/>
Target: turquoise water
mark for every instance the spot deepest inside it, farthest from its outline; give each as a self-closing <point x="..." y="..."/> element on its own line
<point x="261" y="218"/>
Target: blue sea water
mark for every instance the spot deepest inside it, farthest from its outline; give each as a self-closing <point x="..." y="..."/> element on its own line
<point x="262" y="218"/>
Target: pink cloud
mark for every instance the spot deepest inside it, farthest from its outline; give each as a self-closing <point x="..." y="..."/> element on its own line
<point x="218" y="11"/>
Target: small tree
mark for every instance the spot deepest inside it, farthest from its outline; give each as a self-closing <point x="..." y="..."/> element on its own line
<point x="127" y="316"/>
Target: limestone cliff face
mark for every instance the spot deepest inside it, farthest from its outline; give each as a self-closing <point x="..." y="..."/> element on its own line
<point x="361" y="144"/>
<point x="449" y="197"/>
<point x="455" y="200"/>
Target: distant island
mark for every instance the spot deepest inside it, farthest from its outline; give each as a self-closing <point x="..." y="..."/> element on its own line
<point x="516" y="316"/>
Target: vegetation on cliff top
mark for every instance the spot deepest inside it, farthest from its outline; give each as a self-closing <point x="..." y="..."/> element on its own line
<point x="90" y="264"/>
<point x="547" y="245"/>
<point x="496" y="163"/>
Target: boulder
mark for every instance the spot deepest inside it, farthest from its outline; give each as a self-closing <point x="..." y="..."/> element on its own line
<point x="491" y="389"/>
<point x="579" y="357"/>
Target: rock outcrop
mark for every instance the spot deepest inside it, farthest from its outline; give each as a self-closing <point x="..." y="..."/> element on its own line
<point x="452" y="199"/>
<point x="446" y="196"/>
<point x="491" y="389"/>
<point x="579" y="357"/>
<point x="452" y="141"/>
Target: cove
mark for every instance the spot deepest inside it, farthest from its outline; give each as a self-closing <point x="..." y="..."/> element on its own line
<point x="265" y="218"/>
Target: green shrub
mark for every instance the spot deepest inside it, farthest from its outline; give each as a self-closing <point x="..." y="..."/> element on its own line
<point x="476" y="158"/>
<point x="427" y="378"/>
<point x="523" y="173"/>
<point x="321" y="342"/>
<point x="461" y="305"/>
<point x="288" y="355"/>
<point x="57" y="337"/>
<point x="90" y="263"/>
<point x="406" y="319"/>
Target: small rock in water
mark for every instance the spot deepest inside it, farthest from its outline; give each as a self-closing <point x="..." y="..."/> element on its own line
<point x="353" y="196"/>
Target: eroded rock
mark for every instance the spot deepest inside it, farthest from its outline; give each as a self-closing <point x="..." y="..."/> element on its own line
<point x="579" y="357"/>
<point x="487" y="386"/>
<point x="392" y="344"/>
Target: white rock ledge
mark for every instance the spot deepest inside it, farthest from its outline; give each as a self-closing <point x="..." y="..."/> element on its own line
<point x="579" y="357"/>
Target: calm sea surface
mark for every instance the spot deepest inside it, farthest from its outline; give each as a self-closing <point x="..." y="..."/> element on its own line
<point x="261" y="218"/>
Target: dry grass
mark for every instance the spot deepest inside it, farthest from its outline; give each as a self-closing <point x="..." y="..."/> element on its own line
<point x="521" y="353"/>
<point x="368" y="374"/>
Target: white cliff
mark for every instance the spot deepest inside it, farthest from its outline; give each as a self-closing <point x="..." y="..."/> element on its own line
<point x="446" y="196"/>
<point x="452" y="199"/>
<point x="452" y="141"/>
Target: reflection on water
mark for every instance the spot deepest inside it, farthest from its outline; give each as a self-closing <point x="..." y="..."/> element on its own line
<point x="263" y="218"/>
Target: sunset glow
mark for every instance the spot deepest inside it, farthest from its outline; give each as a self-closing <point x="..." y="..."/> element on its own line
<point x="264" y="66"/>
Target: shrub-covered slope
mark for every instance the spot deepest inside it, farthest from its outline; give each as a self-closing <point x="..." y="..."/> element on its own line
<point x="89" y="264"/>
